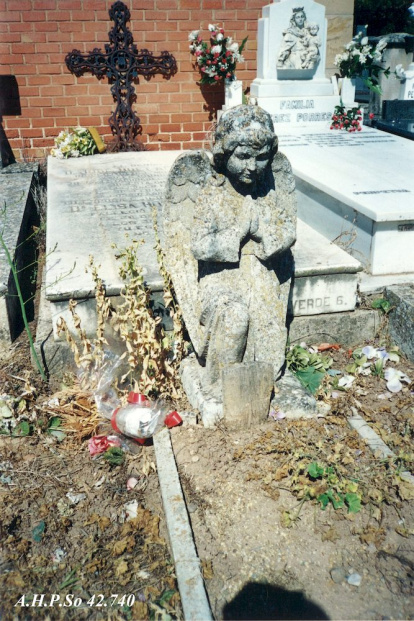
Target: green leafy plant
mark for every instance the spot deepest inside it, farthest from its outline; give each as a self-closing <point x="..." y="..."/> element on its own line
<point x="383" y="305"/>
<point x="309" y="367"/>
<point x="339" y="492"/>
<point x="115" y="456"/>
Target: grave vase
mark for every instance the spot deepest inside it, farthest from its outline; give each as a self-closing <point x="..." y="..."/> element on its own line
<point x="347" y="90"/>
<point x="233" y="93"/>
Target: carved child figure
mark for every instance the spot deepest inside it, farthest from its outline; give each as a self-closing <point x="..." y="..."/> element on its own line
<point x="312" y="55"/>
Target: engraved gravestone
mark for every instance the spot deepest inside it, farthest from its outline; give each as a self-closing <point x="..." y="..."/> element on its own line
<point x="291" y="58"/>
<point x="229" y="226"/>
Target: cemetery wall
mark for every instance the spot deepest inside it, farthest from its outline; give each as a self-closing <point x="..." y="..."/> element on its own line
<point x="36" y="35"/>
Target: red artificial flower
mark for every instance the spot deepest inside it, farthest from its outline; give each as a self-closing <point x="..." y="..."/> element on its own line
<point x="228" y="75"/>
<point x="358" y="111"/>
<point x="217" y="77"/>
<point x="371" y="115"/>
<point x="359" y="128"/>
<point x="100" y="444"/>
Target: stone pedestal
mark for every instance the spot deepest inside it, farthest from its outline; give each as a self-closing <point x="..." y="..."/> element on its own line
<point x="233" y="93"/>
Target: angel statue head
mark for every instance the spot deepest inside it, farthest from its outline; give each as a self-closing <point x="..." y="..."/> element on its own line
<point x="244" y="146"/>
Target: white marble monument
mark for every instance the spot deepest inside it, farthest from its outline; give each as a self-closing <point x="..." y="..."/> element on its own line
<point x="291" y="84"/>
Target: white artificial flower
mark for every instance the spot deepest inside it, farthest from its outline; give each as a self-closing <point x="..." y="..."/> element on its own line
<point x="234" y="47"/>
<point x="193" y="35"/>
<point x="216" y="49"/>
<point x="394" y="379"/>
<point x="346" y="381"/>
<point x="75" y="153"/>
<point x="400" y="72"/>
<point x="220" y="37"/>
<point x="382" y="43"/>
<point x="211" y="27"/>
<point x="364" y="41"/>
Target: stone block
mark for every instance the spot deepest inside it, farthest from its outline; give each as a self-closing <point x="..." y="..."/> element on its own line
<point x="340" y="32"/>
<point x="401" y="318"/>
<point x="349" y="328"/>
<point x="247" y="388"/>
<point x="18" y="215"/>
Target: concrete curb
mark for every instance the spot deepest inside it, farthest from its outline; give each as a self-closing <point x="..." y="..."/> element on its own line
<point x="375" y="443"/>
<point x="187" y="564"/>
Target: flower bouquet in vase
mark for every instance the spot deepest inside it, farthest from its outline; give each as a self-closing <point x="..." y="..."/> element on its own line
<point x="217" y="62"/>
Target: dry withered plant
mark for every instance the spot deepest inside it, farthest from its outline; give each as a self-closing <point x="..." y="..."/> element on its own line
<point x="151" y="357"/>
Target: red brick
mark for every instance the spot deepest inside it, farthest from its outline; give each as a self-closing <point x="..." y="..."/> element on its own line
<point x="28" y="91"/>
<point x="34" y="16"/>
<point x="64" y="79"/>
<point x="13" y="59"/>
<point x="144" y="4"/>
<point x="48" y="69"/>
<point x="71" y="27"/>
<point x="40" y="79"/>
<point x="167" y="4"/>
<point x="51" y="91"/>
<point x="39" y="5"/>
<point x="33" y="133"/>
<point x="70" y="4"/>
<point x="58" y="16"/>
<point x="34" y="59"/>
<point x="46" y="27"/>
<point x="66" y="121"/>
<point x="8" y="17"/>
<point x="178" y="15"/>
<point x="50" y="48"/>
<point x="181" y="118"/>
<point x="14" y="37"/>
<point x="33" y="37"/>
<point x="163" y="26"/>
<point x="18" y="123"/>
<point x="20" y="27"/>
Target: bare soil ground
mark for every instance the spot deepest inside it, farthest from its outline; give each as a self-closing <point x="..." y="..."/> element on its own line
<point x="63" y="524"/>
<point x="267" y="548"/>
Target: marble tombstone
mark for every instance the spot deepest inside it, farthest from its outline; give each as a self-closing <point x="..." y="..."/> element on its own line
<point x="291" y="57"/>
<point x="229" y="224"/>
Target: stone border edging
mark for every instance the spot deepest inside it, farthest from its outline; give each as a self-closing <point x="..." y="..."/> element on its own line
<point x="373" y="440"/>
<point x="187" y="564"/>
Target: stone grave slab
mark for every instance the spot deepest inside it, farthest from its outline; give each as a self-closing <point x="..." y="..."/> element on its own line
<point x="357" y="190"/>
<point x="94" y="201"/>
<point x="17" y="216"/>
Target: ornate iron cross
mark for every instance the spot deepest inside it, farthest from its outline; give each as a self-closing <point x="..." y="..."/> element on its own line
<point x="121" y="63"/>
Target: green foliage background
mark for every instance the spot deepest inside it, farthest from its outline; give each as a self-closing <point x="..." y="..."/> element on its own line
<point x="384" y="16"/>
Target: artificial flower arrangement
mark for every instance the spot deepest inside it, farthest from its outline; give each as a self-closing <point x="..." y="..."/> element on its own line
<point x="76" y="142"/>
<point x="361" y="59"/>
<point x="348" y="119"/>
<point x="218" y="60"/>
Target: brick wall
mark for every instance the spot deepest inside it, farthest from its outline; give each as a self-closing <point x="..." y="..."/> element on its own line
<point x="36" y="35"/>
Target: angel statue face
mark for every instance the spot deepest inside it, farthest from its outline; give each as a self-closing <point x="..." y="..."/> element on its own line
<point x="244" y="147"/>
<point x="248" y="162"/>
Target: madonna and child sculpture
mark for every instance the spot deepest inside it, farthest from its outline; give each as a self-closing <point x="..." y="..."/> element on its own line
<point x="229" y="224"/>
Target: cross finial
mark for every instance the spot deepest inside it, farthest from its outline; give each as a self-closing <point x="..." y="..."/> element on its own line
<point x="121" y="63"/>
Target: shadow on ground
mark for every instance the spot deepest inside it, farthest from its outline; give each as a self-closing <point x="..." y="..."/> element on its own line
<point x="265" y="601"/>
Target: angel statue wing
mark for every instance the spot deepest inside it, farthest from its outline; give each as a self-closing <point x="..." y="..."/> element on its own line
<point x="187" y="177"/>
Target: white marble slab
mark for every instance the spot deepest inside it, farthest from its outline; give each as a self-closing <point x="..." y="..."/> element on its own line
<point x="359" y="189"/>
<point x="94" y="202"/>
